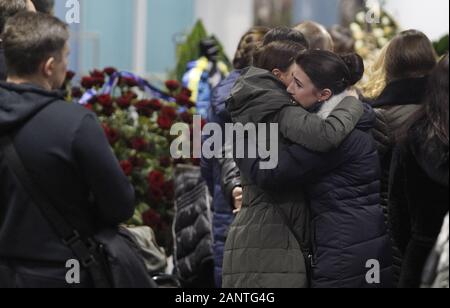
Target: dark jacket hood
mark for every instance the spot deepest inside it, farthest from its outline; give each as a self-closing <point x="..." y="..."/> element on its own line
<point x="410" y="91"/>
<point x="18" y="103"/>
<point x="250" y="96"/>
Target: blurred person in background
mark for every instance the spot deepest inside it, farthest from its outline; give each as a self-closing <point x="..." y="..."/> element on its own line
<point x="406" y="64"/>
<point x="418" y="192"/>
<point x="317" y="35"/>
<point x="10" y="8"/>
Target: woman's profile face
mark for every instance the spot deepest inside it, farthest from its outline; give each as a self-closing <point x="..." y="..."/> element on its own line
<point x="302" y="89"/>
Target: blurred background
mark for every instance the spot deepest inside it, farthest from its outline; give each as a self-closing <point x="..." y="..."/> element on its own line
<point x="142" y="35"/>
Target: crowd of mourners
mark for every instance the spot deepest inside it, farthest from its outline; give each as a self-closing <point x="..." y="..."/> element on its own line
<point x="358" y="198"/>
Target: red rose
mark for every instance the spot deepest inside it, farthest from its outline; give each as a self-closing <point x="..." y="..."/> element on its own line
<point x="111" y="134"/>
<point x="130" y="82"/>
<point x="169" y="112"/>
<point x="144" y="109"/>
<point x="183" y="100"/>
<point x="130" y="94"/>
<point x="172" y="85"/>
<point x="87" y="82"/>
<point x="70" y="75"/>
<point x="164" y="122"/>
<point x="139" y="144"/>
<point x="99" y="81"/>
<point x="155" y="104"/>
<point x="165" y="162"/>
<point x="124" y="101"/>
<point x="76" y="92"/>
<point x="127" y="167"/>
<point x="97" y="74"/>
<point x="156" y="179"/>
<point x="105" y="100"/>
<point x="152" y="219"/>
<point x="186" y="117"/>
<point x="109" y="71"/>
<point x="186" y="92"/>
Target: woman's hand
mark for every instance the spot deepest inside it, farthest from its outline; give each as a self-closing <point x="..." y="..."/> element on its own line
<point x="237" y="199"/>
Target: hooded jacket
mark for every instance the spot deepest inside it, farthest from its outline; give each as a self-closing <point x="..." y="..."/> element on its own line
<point x="64" y="149"/>
<point x="260" y="251"/>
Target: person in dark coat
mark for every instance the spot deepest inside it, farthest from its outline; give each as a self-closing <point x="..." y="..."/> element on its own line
<point x="65" y="150"/>
<point x="221" y="175"/>
<point x="408" y="61"/>
<point x="419" y="199"/>
<point x="261" y="251"/>
<point x="342" y="186"/>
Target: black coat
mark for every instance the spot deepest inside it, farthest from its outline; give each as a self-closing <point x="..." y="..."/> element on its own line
<point x="65" y="150"/>
<point x="419" y="199"/>
<point x="2" y="63"/>
<point x="342" y="187"/>
<point x="396" y="104"/>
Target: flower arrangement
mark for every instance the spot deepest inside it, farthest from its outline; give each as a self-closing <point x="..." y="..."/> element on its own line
<point x="372" y="29"/>
<point x="138" y="129"/>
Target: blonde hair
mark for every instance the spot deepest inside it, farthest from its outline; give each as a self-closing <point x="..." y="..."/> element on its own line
<point x="376" y="76"/>
<point x="410" y="54"/>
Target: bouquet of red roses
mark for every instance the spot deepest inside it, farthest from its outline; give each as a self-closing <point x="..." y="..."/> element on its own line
<point x="138" y="129"/>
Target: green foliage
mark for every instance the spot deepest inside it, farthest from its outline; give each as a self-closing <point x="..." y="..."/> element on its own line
<point x="442" y="46"/>
<point x="190" y="50"/>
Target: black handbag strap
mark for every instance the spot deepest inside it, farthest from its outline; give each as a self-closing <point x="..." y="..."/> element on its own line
<point x="70" y="236"/>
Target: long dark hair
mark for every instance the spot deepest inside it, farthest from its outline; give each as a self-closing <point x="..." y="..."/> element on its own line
<point x="327" y="70"/>
<point x="435" y="110"/>
<point x="409" y="55"/>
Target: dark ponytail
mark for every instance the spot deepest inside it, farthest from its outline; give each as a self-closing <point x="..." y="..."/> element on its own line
<point x="327" y="70"/>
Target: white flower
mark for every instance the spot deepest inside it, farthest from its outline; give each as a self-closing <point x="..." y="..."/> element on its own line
<point x="361" y="17"/>
<point x="385" y="21"/>
<point x="382" y="41"/>
<point x="378" y="33"/>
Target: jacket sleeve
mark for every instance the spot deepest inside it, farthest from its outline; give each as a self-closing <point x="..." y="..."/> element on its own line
<point x="114" y="195"/>
<point x="316" y="134"/>
<point x="231" y="176"/>
<point x="296" y="166"/>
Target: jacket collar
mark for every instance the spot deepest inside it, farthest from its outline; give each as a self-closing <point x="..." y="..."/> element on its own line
<point x="409" y="91"/>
